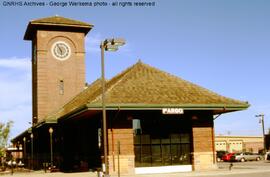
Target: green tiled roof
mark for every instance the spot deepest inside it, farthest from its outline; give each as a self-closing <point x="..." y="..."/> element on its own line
<point x="142" y="86"/>
<point x="55" y="21"/>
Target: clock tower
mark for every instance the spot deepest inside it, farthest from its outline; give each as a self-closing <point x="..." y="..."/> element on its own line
<point x="58" y="62"/>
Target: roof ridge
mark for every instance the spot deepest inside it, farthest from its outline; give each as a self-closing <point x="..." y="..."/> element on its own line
<point x="56" y="22"/>
<point x="43" y="20"/>
<point x="38" y="19"/>
<point x="83" y="91"/>
<point x="127" y="72"/>
<point x="121" y="75"/>
<point x="188" y="82"/>
<point x="74" y="98"/>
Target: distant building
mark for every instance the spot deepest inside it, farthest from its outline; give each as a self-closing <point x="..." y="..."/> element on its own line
<point x="239" y="143"/>
<point x="14" y="152"/>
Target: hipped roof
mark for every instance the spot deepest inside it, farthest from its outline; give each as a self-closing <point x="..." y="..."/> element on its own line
<point x="144" y="87"/>
<point x="56" y="23"/>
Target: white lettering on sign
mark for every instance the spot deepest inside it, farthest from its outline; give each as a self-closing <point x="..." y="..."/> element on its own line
<point x="172" y="111"/>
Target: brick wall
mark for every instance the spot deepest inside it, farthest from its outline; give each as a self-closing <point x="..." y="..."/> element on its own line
<point x="48" y="71"/>
<point x="202" y="139"/>
<point x="126" y="158"/>
<point x="203" y="142"/>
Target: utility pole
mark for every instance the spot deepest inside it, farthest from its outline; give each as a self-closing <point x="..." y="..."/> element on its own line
<point x="261" y="116"/>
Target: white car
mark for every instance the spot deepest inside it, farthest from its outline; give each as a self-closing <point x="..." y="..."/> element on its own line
<point x="245" y="156"/>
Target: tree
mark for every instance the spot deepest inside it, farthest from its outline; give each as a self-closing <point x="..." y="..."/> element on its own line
<point x="4" y="135"/>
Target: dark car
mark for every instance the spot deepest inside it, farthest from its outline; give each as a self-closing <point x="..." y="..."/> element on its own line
<point x="220" y="154"/>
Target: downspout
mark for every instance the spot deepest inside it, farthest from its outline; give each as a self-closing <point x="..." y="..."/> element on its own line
<point x="213" y="140"/>
<point x="213" y="145"/>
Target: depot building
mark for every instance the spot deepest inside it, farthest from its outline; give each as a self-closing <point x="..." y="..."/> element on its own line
<point x="156" y="122"/>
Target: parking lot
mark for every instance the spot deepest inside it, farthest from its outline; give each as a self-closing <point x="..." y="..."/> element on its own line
<point x="239" y="169"/>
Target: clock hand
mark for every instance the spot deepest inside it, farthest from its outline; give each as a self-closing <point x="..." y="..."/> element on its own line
<point x="59" y="47"/>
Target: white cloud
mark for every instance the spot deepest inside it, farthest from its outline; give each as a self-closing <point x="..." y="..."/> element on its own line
<point x="15" y="92"/>
<point x="15" y="63"/>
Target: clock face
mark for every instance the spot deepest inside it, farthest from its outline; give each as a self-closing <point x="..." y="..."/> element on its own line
<point x="61" y="50"/>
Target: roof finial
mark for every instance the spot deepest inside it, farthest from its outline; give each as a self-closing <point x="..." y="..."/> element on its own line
<point x="139" y="61"/>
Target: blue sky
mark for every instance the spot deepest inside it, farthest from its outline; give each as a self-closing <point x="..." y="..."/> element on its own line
<point x="221" y="45"/>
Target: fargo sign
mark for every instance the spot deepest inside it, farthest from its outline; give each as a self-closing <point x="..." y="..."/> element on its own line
<point x="172" y="111"/>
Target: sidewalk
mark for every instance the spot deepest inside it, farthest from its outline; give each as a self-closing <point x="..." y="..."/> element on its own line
<point x="217" y="172"/>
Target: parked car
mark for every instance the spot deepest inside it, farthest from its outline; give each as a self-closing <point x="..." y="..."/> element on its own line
<point x="245" y="156"/>
<point x="227" y="157"/>
<point x="220" y="154"/>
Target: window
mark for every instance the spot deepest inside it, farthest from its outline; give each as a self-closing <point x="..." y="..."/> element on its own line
<point x="160" y="142"/>
<point x="61" y="87"/>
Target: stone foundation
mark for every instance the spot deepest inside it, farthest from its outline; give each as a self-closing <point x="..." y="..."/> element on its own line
<point x="126" y="164"/>
<point x="203" y="161"/>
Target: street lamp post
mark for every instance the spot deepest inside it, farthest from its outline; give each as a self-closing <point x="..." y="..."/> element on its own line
<point x="32" y="151"/>
<point x="24" y="149"/>
<point x="108" y="45"/>
<point x="51" y="145"/>
<point x="261" y="116"/>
